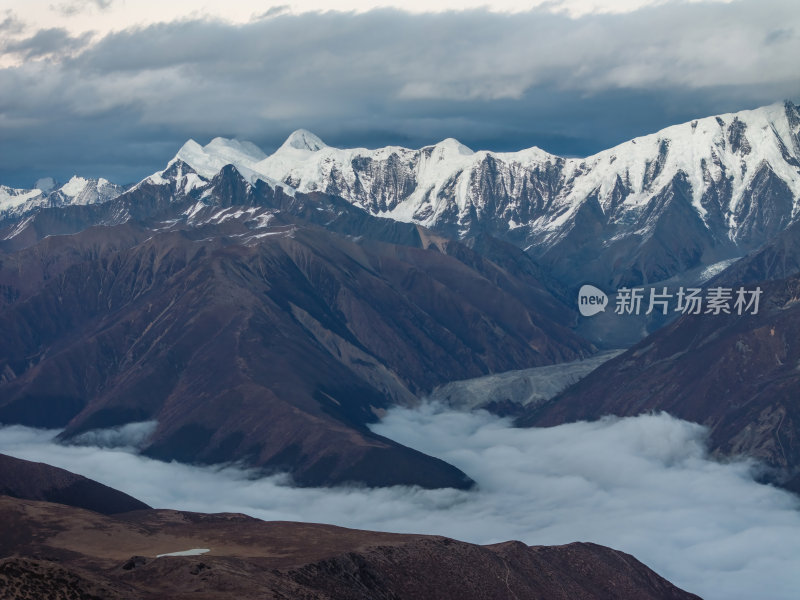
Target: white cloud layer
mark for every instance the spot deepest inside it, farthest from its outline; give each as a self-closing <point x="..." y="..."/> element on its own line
<point x="644" y="485"/>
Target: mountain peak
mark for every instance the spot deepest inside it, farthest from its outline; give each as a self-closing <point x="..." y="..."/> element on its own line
<point x="450" y="148"/>
<point x="209" y="159"/>
<point x="302" y="139"/>
<point x="75" y="186"/>
<point x="452" y="144"/>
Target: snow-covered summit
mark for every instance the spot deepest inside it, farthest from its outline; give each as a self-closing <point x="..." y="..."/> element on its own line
<point x="235" y="149"/>
<point x="205" y="162"/>
<point x="451" y="146"/>
<point x="303" y="139"/>
<point x="13" y="198"/>
<point x="76" y="186"/>
<point x="209" y="159"/>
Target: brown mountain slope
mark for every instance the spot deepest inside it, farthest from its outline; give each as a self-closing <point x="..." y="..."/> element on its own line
<point x="85" y="555"/>
<point x="38" y="481"/>
<point x="739" y="375"/>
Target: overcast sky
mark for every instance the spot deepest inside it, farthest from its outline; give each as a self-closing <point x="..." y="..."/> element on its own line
<point x="644" y="485"/>
<point x="114" y="87"/>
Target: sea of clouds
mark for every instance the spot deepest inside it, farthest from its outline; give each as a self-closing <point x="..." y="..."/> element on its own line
<point x="644" y="485"/>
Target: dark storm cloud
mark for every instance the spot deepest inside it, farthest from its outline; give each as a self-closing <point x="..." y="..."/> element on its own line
<point x="122" y="106"/>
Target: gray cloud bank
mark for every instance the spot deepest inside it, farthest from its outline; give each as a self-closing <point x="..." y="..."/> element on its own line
<point x="121" y="106"/>
<point x="644" y="485"/>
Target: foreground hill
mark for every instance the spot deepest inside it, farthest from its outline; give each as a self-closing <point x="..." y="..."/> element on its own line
<point x="55" y="551"/>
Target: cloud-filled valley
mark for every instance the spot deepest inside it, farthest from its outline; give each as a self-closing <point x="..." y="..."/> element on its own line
<point x="644" y="485"/>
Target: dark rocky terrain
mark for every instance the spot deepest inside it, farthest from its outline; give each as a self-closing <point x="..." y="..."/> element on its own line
<point x="37" y="481"/>
<point x="60" y="552"/>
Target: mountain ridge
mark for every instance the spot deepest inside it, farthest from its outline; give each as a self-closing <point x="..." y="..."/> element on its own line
<point x="730" y="181"/>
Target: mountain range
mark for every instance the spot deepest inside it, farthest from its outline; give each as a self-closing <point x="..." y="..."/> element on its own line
<point x="644" y="211"/>
<point x="641" y="212"/>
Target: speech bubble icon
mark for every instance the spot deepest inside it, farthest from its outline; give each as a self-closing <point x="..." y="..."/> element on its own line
<point x="591" y="300"/>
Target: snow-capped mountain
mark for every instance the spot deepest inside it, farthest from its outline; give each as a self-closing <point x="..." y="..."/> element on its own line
<point x="646" y="210"/>
<point x="538" y="192"/>
<point x="17" y="203"/>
